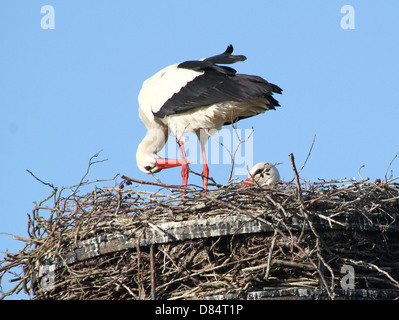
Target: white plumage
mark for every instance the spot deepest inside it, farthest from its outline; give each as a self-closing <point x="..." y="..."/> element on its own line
<point x="164" y="84"/>
<point x="196" y="96"/>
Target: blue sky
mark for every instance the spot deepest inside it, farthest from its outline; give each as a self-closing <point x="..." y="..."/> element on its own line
<point x="67" y="93"/>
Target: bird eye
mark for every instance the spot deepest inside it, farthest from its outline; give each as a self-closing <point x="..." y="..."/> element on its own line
<point x="148" y="168"/>
<point x="259" y="171"/>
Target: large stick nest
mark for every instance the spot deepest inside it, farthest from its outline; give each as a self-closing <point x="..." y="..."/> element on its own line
<point x="126" y="242"/>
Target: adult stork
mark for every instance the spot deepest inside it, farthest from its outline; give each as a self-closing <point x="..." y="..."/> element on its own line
<point x="196" y="96"/>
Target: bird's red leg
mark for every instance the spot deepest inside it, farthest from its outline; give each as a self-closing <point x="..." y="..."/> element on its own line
<point x="205" y="172"/>
<point x="184" y="169"/>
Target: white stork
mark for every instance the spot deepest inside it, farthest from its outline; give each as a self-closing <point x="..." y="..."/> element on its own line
<point x="263" y="173"/>
<point x="196" y="96"/>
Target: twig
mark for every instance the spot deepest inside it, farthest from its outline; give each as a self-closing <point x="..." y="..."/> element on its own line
<point x="45" y="183"/>
<point x="358" y="171"/>
<point x="386" y="172"/>
<point x="157" y="184"/>
<point x="310" y="151"/>
<point x="88" y="169"/>
<point x="298" y="183"/>
<point x="153" y="279"/>
<point x="236" y="150"/>
<point x="269" y="257"/>
<point x="16" y="237"/>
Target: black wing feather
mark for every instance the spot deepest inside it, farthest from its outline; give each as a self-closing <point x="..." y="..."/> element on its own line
<point x="226" y="57"/>
<point x="218" y="84"/>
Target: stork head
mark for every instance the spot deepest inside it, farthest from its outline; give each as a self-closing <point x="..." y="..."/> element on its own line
<point x="262" y="173"/>
<point x="146" y="155"/>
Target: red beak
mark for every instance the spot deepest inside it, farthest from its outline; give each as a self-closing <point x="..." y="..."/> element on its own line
<point x="162" y="163"/>
<point x="247" y="184"/>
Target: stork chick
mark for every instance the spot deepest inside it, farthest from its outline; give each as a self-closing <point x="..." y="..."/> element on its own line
<point x="263" y="173"/>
